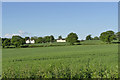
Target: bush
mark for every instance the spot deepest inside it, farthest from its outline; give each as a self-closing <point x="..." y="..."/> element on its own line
<point x="24" y="46"/>
<point x="10" y="47"/>
<point x="77" y="43"/>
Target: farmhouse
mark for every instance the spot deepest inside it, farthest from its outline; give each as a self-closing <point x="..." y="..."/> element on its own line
<point x="30" y="41"/>
<point x="61" y="40"/>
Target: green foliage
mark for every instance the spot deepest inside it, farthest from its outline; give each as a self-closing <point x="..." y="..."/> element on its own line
<point x="92" y="42"/>
<point x="118" y="35"/>
<point x="6" y="42"/>
<point x="22" y="41"/>
<point x="81" y="61"/>
<point x="72" y="38"/>
<point x="39" y="40"/>
<point x="52" y="38"/>
<point x="88" y="37"/>
<point x="17" y="41"/>
<point x="34" y="38"/>
<point x="47" y="39"/>
<point x="59" y="37"/>
<point x="96" y="38"/>
<point x="107" y="36"/>
<point x="49" y="44"/>
<point x="17" y="44"/>
<point x="3" y="39"/>
<point x="27" y="38"/>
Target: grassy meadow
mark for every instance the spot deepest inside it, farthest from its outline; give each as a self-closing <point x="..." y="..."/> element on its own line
<point x="78" y="61"/>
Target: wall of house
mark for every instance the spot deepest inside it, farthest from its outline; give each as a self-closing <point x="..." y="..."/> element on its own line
<point x="27" y="42"/>
<point x="32" y="41"/>
<point x="61" y="40"/>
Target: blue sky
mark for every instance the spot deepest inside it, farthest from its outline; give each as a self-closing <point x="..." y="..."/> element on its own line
<point x="58" y="18"/>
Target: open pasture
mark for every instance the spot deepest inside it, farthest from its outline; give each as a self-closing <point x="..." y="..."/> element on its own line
<point x="79" y="61"/>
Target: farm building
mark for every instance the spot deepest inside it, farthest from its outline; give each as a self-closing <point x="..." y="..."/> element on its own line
<point x="30" y="41"/>
<point x="61" y="40"/>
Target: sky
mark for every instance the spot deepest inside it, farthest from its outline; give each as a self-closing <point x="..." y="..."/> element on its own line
<point x="58" y="18"/>
<point x="60" y="0"/>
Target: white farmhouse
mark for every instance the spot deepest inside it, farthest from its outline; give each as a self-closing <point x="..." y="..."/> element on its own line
<point x="61" y="40"/>
<point x="27" y="41"/>
<point x="30" y="41"/>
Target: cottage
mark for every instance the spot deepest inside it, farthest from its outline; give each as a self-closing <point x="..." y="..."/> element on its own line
<point x="61" y="40"/>
<point x="30" y="41"/>
<point x="27" y="41"/>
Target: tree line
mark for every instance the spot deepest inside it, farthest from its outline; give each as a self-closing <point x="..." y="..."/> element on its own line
<point x="72" y="38"/>
<point x="106" y="37"/>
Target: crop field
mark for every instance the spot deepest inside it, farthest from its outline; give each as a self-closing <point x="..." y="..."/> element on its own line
<point x="78" y="61"/>
<point x="92" y="42"/>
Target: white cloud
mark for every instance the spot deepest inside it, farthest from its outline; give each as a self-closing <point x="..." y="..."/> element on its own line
<point x="20" y="33"/>
<point x="16" y="35"/>
<point x="8" y="35"/>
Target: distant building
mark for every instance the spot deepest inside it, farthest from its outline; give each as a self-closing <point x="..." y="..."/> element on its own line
<point x="61" y="40"/>
<point x="27" y="41"/>
<point x="30" y="41"/>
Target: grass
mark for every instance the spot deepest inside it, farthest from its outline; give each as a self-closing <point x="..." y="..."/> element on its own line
<point x="92" y="42"/>
<point x="79" y="61"/>
<point x="51" y="44"/>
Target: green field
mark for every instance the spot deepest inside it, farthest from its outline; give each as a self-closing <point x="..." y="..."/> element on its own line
<point x="92" y="42"/>
<point x="78" y="61"/>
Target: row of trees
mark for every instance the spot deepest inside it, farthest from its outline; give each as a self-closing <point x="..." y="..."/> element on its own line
<point x="90" y="38"/>
<point x="42" y="39"/>
<point x="18" y="40"/>
<point x="72" y="38"/>
<point x="107" y="36"/>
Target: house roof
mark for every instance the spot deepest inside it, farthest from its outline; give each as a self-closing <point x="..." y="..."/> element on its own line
<point x="60" y="39"/>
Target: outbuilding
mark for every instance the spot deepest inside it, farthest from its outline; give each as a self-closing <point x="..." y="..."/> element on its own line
<point x="30" y="41"/>
<point x="61" y="40"/>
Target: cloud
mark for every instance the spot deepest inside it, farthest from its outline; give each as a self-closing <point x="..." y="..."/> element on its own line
<point x="8" y="35"/>
<point x="20" y="33"/>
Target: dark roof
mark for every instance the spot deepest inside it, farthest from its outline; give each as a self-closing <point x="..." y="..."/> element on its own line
<point x="60" y="39"/>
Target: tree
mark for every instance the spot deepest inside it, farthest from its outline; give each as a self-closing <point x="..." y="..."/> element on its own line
<point x="17" y="40"/>
<point x="47" y="39"/>
<point x="52" y="38"/>
<point x="0" y="41"/>
<point x="22" y="41"/>
<point x="88" y="37"/>
<point x="17" y="44"/>
<point x="3" y="39"/>
<point x="72" y="38"/>
<point x="118" y="35"/>
<point x="107" y="36"/>
<point x="39" y="40"/>
<point x="34" y="38"/>
<point x="7" y="42"/>
<point x="27" y="38"/>
<point x="96" y="38"/>
<point x="59" y="37"/>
